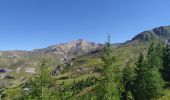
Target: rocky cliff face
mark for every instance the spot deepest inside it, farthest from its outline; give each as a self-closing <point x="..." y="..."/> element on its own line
<point x="71" y="49"/>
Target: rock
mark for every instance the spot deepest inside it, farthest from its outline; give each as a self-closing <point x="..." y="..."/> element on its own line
<point x="9" y="77"/>
<point x="18" y="69"/>
<point x="57" y="70"/>
<point x="30" y="70"/>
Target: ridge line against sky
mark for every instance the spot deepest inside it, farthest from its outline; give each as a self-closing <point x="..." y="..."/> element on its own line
<point x="32" y="24"/>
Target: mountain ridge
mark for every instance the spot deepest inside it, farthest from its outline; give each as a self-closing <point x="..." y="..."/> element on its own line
<point x="80" y="46"/>
<point x="78" y="58"/>
<point x="162" y="32"/>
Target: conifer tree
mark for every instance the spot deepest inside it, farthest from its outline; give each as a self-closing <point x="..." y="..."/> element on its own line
<point x="154" y="56"/>
<point x="128" y="80"/>
<point x="110" y="87"/>
<point x="40" y="85"/>
<point x="166" y="57"/>
<point x="141" y="69"/>
<point x="149" y="82"/>
<point x="166" y="64"/>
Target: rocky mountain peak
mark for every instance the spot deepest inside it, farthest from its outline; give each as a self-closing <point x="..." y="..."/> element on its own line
<point x="78" y="41"/>
<point x="76" y="47"/>
<point x="71" y="49"/>
<point x="162" y="31"/>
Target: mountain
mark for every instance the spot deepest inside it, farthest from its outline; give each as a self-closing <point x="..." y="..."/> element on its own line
<point x="162" y="33"/>
<point x="71" y="49"/>
<point x="14" y="53"/>
<point x="67" y="50"/>
<point x="80" y="47"/>
<point x="76" y="60"/>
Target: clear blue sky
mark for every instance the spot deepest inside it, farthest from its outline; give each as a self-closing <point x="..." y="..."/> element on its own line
<point x="30" y="24"/>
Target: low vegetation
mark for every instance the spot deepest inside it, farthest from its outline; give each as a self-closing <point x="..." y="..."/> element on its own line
<point x="109" y="75"/>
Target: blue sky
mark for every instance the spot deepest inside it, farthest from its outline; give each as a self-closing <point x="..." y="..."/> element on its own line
<point x="30" y="24"/>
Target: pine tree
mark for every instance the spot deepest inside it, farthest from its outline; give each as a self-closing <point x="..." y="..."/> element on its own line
<point x="110" y="87"/>
<point x="155" y="54"/>
<point x="166" y="57"/>
<point x="128" y="80"/>
<point x="166" y="63"/>
<point x="40" y="85"/>
<point x="140" y="85"/>
<point x="149" y="83"/>
<point x="155" y="64"/>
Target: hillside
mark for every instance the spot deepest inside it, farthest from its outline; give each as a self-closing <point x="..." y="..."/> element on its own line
<point x="76" y="60"/>
<point x="79" y="51"/>
<point x="156" y="33"/>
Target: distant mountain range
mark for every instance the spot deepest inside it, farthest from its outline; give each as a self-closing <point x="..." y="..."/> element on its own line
<point x="80" y="47"/>
<point x="78" y="57"/>
<point x="64" y="50"/>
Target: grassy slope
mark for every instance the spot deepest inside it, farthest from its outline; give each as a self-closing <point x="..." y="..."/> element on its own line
<point x="90" y="62"/>
<point x="166" y="95"/>
<point x="85" y="65"/>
